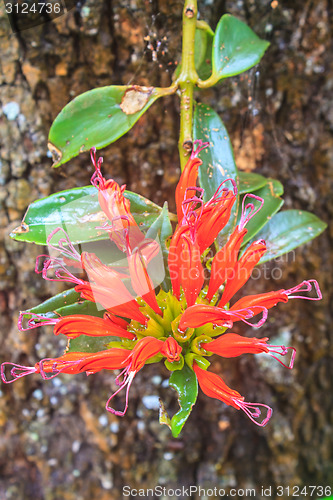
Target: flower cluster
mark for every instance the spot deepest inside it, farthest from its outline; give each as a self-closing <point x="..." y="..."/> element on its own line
<point x="182" y="326"/>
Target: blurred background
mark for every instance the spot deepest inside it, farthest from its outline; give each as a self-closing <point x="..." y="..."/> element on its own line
<point x="57" y="442"/>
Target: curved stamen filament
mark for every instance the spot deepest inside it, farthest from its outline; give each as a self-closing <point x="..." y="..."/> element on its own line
<point x="201" y="146"/>
<point x="97" y="180"/>
<point x="128" y="381"/>
<point x="307" y="287"/>
<point x="222" y="192"/>
<point x="70" y="250"/>
<point x="249" y="210"/>
<point x="17" y="371"/>
<point x="123" y="373"/>
<point x="52" y="263"/>
<point x="253" y="411"/>
<point x="250" y="313"/>
<point x="32" y="323"/>
<point x="282" y="350"/>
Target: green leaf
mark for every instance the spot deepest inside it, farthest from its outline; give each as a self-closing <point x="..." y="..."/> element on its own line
<point x="185" y="383"/>
<point x="236" y="48"/>
<point x="78" y="212"/>
<point x="249" y="182"/>
<point x="98" y="118"/>
<point x="203" y="44"/>
<point x="288" y="230"/>
<point x="65" y="304"/>
<point x="84" y="343"/>
<point x="272" y="204"/>
<point x="68" y="303"/>
<point x="218" y="159"/>
<point x="162" y="229"/>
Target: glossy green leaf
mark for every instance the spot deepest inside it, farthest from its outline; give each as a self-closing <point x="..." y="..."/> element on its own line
<point x="78" y="212"/>
<point x="249" y="182"/>
<point x="84" y="343"/>
<point x="203" y="44"/>
<point x="236" y="48"/>
<point x="98" y="118"/>
<point x="162" y="230"/>
<point x="200" y="46"/>
<point x="288" y="230"/>
<point x="66" y="303"/>
<point x="218" y="159"/>
<point x="185" y="383"/>
<point x="272" y="203"/>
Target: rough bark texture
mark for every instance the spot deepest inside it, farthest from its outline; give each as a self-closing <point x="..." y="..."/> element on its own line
<point x="57" y="443"/>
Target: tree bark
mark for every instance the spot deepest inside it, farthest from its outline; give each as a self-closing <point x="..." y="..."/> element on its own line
<point x="57" y="441"/>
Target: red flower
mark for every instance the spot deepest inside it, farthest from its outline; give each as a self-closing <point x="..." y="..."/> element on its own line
<point x="185" y="324"/>
<point x="231" y="345"/>
<point x="214" y="387"/>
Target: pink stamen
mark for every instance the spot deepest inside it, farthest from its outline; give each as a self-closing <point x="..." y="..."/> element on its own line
<point x="201" y="146"/>
<point x="307" y="284"/>
<point x="191" y="213"/>
<point x="225" y="191"/>
<point x="127" y="382"/>
<point x="124" y="373"/>
<point x="253" y="411"/>
<point x="18" y="371"/>
<point x="250" y="313"/>
<point x="55" y="370"/>
<point x="51" y="263"/>
<point x="249" y="210"/>
<point x="43" y="321"/>
<point x="97" y="180"/>
<point x="70" y="250"/>
<point x="282" y="350"/>
<point x="111" y="227"/>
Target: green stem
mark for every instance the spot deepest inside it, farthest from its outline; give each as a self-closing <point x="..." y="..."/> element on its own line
<point x="187" y="80"/>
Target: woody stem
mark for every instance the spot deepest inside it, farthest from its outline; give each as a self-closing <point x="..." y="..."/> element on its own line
<point x="186" y="81"/>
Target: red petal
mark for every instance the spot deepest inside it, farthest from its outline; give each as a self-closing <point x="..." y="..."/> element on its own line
<point x="225" y="261"/>
<point x="187" y="179"/>
<point x="267" y="300"/>
<point x="146" y="348"/>
<point x="231" y="345"/>
<point x="243" y="270"/>
<point x="76" y="325"/>
<point x="214" y="387"/>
